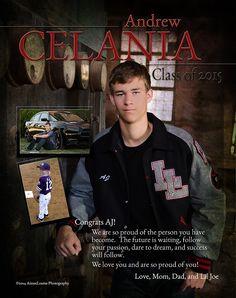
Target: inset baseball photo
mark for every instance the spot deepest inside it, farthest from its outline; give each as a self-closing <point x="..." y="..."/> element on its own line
<point x="43" y="190"/>
<point x="57" y="131"/>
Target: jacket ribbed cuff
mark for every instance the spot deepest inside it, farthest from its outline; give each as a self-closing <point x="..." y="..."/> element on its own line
<point x="203" y="264"/>
<point x="72" y="222"/>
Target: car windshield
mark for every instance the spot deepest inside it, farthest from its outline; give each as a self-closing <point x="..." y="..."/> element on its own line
<point x="67" y="117"/>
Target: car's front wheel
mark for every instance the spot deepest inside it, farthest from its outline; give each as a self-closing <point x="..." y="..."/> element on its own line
<point x="59" y="140"/>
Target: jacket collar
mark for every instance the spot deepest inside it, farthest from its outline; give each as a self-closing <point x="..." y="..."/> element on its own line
<point x="160" y="135"/>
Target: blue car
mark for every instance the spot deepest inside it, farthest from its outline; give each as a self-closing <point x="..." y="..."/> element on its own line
<point x="70" y="129"/>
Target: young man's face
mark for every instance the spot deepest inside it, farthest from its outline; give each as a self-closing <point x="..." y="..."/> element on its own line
<point x="131" y="99"/>
<point x="47" y="127"/>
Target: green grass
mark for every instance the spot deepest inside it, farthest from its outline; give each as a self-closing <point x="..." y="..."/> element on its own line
<point x="68" y="150"/>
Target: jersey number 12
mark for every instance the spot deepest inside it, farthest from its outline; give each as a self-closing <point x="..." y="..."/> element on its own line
<point x="49" y="185"/>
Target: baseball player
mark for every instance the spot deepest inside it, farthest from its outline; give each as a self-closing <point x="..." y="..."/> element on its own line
<point x="44" y="187"/>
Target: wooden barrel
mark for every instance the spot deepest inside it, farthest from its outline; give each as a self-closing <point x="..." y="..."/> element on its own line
<point x="98" y="76"/>
<point x="34" y="46"/>
<point x="21" y="70"/>
<point x="61" y="73"/>
<point x="82" y="72"/>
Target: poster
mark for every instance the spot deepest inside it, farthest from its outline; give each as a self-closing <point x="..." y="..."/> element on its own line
<point x="191" y="62"/>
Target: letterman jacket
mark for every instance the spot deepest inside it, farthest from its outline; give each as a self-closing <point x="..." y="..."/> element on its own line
<point x="180" y="184"/>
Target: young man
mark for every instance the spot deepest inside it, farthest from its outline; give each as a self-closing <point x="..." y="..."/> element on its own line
<point x="44" y="188"/>
<point x="148" y="175"/>
<point x="44" y="139"/>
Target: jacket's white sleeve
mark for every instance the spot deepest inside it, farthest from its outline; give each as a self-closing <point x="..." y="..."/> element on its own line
<point x="81" y="191"/>
<point x="208" y="205"/>
<point x="207" y="201"/>
<point x="81" y="194"/>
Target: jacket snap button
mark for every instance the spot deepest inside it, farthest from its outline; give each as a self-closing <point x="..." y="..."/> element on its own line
<point x="126" y="202"/>
<point x="125" y="227"/>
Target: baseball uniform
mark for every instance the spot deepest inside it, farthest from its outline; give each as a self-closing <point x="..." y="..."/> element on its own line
<point x="44" y="187"/>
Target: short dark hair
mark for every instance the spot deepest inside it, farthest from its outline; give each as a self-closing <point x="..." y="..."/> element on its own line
<point x="48" y="123"/>
<point x="123" y="72"/>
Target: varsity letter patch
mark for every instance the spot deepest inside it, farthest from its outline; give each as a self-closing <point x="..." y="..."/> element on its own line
<point x="166" y="180"/>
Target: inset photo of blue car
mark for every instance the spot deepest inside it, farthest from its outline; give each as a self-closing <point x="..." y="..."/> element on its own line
<point x="54" y="131"/>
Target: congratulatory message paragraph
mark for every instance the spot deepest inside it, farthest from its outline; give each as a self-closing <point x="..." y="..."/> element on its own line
<point x="110" y="248"/>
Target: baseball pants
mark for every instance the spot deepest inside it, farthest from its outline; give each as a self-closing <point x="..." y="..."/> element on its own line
<point x="44" y="201"/>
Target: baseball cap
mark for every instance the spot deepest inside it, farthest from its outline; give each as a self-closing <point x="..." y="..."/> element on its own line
<point x="44" y="166"/>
